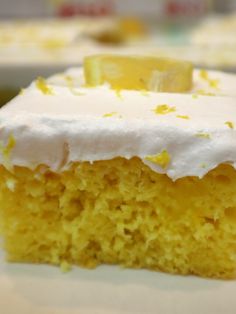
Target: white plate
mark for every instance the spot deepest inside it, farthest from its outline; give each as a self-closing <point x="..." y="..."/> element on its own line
<point x="38" y="289"/>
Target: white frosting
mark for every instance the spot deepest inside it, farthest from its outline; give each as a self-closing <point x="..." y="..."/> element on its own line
<point x="70" y="125"/>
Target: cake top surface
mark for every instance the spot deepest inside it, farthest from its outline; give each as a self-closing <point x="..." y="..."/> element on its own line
<point x="59" y="121"/>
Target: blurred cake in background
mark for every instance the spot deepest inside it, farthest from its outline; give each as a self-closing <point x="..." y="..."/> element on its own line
<point x="30" y="48"/>
<point x="210" y="42"/>
<point x="216" y="30"/>
<point x="175" y="29"/>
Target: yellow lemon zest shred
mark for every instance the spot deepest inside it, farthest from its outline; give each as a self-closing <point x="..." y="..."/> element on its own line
<point x="110" y="114"/>
<point x="203" y="74"/>
<point x="144" y="92"/>
<point x="118" y="93"/>
<point x="183" y="117"/>
<point x="70" y="84"/>
<point x="230" y="124"/>
<point x="22" y="91"/>
<point x="164" y="109"/>
<point x="203" y="135"/>
<point x="204" y="93"/>
<point x="213" y="83"/>
<point x="43" y="87"/>
<point x="163" y="159"/>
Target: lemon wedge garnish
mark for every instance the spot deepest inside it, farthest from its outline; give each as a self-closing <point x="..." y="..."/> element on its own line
<point x="138" y="73"/>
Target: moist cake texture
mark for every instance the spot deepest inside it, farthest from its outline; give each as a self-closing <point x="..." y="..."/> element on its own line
<point x="134" y="178"/>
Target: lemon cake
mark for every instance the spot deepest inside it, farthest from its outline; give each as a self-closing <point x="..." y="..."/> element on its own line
<point x="138" y="178"/>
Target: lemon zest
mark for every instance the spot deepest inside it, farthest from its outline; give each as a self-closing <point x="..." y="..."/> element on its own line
<point x="230" y="124"/>
<point x="213" y="83"/>
<point x="111" y="114"/>
<point x="204" y="93"/>
<point x="164" y="109"/>
<point x="43" y="87"/>
<point x="118" y="93"/>
<point x="70" y="84"/>
<point x="183" y="117"/>
<point x="22" y="91"/>
<point x="163" y="159"/>
<point x="203" y="135"/>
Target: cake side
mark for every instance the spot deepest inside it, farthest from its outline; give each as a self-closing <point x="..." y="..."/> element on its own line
<point x="121" y="212"/>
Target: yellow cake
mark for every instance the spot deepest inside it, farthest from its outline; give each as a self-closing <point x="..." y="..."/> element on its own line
<point x="137" y="178"/>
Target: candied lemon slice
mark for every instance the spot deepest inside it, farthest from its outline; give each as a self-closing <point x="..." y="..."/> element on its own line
<point x="138" y="73"/>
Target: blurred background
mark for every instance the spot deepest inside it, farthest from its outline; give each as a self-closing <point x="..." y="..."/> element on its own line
<point x="42" y="37"/>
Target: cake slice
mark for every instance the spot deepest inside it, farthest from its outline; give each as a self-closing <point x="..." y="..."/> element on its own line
<point x="139" y="179"/>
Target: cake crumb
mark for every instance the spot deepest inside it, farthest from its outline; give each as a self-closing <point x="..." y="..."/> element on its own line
<point x="153" y="202"/>
<point x="65" y="266"/>
<point x="11" y="184"/>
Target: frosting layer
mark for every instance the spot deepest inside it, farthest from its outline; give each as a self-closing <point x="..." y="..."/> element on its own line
<point x="60" y="121"/>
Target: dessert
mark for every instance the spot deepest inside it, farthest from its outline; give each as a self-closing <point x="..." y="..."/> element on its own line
<point x="137" y="178"/>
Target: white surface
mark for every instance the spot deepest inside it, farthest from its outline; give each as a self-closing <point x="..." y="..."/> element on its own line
<point x="69" y="125"/>
<point x="39" y="289"/>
